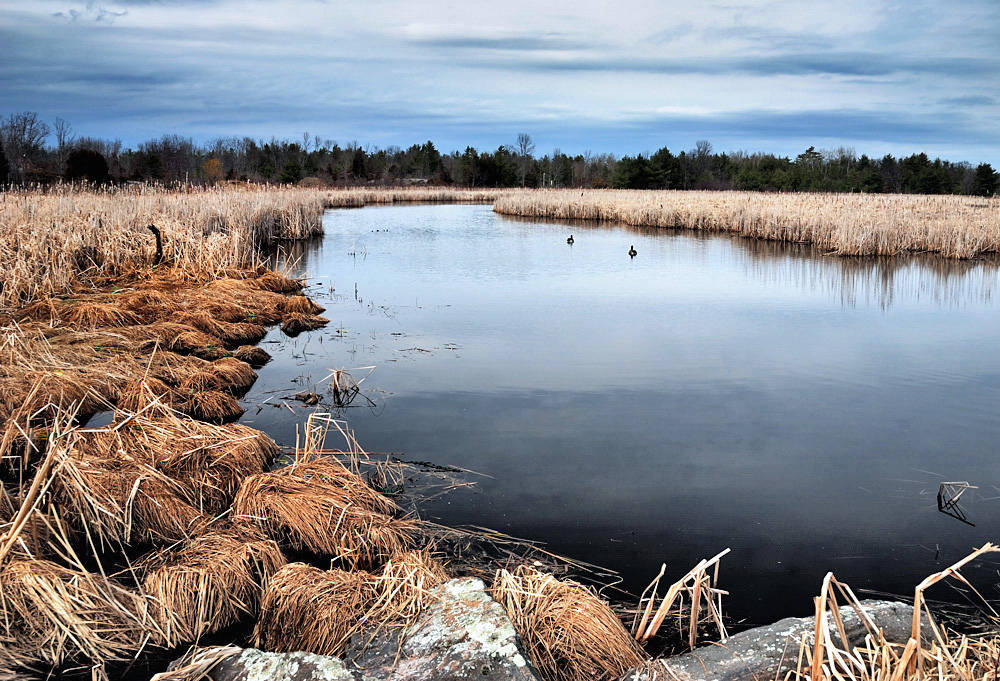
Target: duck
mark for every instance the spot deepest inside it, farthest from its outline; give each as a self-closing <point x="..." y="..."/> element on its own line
<point x="570" y="240"/>
<point x="632" y="252"/>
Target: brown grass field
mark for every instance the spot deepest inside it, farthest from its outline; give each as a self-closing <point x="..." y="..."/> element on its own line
<point x="843" y="224"/>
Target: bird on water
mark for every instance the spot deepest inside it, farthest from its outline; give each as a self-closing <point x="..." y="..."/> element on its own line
<point x="570" y="240"/>
<point x="632" y="252"/>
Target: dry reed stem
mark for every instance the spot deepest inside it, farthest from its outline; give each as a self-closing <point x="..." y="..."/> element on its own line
<point x="827" y="656"/>
<point x="700" y="585"/>
<point x="570" y="633"/>
<point x="62" y="614"/>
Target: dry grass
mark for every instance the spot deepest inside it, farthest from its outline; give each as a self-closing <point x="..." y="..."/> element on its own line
<point x="318" y="611"/>
<point x="844" y="224"/>
<point x="305" y="608"/>
<point x="294" y="323"/>
<point x="180" y="337"/>
<point x="570" y="633"/>
<point x="52" y="241"/>
<point x="209" y="582"/>
<point x="320" y="506"/>
<point x="54" y="614"/>
<point x="255" y="357"/>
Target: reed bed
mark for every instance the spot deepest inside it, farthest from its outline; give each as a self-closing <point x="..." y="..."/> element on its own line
<point x="843" y="224"/>
<point x="570" y="633"/>
<point x="51" y="241"/>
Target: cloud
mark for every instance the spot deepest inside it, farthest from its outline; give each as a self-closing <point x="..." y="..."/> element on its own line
<point x="969" y="100"/>
<point x="844" y="64"/>
<point x="774" y="76"/>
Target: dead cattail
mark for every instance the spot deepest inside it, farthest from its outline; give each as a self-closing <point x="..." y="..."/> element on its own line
<point x="570" y="633"/>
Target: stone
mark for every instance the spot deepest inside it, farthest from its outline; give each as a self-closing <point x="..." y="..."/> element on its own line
<point x="257" y="665"/>
<point x="769" y="652"/>
<point x="462" y="634"/>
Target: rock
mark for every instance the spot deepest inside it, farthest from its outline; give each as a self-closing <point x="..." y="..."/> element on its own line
<point x="257" y="665"/>
<point x="463" y="634"/>
<point x="769" y="652"/>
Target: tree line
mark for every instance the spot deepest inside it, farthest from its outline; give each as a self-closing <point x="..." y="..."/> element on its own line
<point x="33" y="152"/>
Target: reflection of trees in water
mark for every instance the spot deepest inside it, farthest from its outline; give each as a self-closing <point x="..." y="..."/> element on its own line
<point x="883" y="281"/>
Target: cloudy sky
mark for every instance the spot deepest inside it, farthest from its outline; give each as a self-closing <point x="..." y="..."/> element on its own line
<point x="881" y="76"/>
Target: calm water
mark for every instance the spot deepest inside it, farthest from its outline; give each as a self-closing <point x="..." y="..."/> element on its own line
<point x="710" y="393"/>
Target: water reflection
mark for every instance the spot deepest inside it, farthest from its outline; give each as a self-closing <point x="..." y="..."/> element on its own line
<point x="712" y="392"/>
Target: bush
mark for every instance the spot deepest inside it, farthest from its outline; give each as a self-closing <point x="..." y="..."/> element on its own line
<point x="86" y="164"/>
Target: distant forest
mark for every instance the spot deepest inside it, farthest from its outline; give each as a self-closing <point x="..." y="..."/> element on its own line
<point x="33" y="152"/>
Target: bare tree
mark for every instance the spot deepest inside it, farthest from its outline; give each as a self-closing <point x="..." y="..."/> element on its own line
<point x="64" y="138"/>
<point x="525" y="148"/>
<point x="24" y="139"/>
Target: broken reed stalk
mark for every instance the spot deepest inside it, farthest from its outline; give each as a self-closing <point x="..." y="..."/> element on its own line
<point x="920" y="605"/>
<point x="700" y="585"/>
<point x="826" y="658"/>
<point x="570" y="633"/>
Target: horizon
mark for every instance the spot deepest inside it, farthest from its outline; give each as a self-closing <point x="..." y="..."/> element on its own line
<point x="774" y="78"/>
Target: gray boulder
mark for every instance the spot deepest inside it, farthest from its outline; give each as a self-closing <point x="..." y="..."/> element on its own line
<point x="769" y="652"/>
<point x="463" y="634"/>
<point x="257" y="665"/>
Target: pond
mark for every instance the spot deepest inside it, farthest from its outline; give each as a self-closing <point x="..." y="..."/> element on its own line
<point x="710" y="392"/>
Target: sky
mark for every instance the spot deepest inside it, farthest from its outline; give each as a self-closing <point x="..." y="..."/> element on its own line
<point x="878" y="76"/>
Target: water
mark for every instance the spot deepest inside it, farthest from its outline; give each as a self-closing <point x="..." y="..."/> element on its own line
<point x="711" y="392"/>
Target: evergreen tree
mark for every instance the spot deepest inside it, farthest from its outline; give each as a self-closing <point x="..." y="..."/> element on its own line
<point x="986" y="181"/>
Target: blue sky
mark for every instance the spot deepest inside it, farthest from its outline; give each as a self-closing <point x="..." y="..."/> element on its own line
<point x="880" y="76"/>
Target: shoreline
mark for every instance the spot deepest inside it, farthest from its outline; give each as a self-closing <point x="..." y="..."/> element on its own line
<point x="166" y="486"/>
